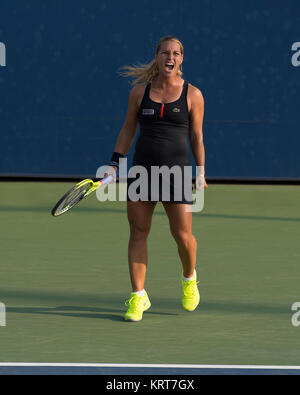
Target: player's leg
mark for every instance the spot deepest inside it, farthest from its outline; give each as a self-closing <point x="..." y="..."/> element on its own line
<point x="181" y="228"/>
<point x="140" y="217"/>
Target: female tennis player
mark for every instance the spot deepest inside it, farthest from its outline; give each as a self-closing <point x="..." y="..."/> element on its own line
<point x="170" y="112"/>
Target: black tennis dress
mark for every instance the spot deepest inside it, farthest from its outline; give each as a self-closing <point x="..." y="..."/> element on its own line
<point x="163" y="144"/>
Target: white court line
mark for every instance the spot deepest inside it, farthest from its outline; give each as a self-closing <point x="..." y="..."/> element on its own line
<point x="129" y="365"/>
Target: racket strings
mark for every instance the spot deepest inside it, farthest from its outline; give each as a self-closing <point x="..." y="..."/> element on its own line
<point x="77" y="193"/>
<point x="72" y="198"/>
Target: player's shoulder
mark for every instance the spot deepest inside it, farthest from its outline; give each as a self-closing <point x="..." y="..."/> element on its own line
<point x="195" y="93"/>
<point x="137" y="93"/>
<point x="138" y="90"/>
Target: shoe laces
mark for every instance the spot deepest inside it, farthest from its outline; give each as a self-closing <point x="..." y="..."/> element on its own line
<point x="134" y="303"/>
<point x="190" y="288"/>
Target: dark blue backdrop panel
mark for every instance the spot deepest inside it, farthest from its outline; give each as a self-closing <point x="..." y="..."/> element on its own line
<point x="62" y="101"/>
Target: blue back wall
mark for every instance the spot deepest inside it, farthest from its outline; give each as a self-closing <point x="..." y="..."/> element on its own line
<point x="62" y="102"/>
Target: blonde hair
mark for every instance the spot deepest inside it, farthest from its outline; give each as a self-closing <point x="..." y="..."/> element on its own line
<point x="145" y="73"/>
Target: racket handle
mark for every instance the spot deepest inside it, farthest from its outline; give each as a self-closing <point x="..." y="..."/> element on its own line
<point x="107" y="180"/>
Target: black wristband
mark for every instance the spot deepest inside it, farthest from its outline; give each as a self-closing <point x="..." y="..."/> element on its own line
<point x="114" y="161"/>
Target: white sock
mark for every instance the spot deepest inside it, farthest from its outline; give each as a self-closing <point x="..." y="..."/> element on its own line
<point x="140" y="293"/>
<point x="189" y="278"/>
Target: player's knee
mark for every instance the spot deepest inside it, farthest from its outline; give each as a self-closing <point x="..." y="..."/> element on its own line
<point x="183" y="238"/>
<point x="139" y="231"/>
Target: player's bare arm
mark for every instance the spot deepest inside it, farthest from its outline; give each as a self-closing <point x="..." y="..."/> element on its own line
<point x="196" y="108"/>
<point x="130" y="126"/>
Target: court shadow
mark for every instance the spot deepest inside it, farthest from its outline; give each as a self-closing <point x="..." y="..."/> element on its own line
<point x="157" y="212"/>
<point x="111" y="306"/>
<point x="78" y="312"/>
<point x="243" y="308"/>
<point x="73" y="311"/>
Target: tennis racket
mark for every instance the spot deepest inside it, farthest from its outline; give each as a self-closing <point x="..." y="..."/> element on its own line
<point x="77" y="193"/>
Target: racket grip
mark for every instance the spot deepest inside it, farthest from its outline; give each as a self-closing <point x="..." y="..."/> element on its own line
<point x="107" y="180"/>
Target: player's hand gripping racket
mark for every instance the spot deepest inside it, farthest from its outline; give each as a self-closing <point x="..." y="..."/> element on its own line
<point x="77" y="193"/>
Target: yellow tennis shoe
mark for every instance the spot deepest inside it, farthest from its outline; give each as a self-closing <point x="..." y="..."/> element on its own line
<point x="137" y="305"/>
<point x="190" y="294"/>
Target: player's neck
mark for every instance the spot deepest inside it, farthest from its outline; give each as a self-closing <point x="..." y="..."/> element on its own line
<point x="162" y="82"/>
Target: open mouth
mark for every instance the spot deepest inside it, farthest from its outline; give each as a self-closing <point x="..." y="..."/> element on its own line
<point x="170" y="66"/>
